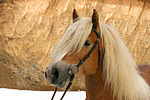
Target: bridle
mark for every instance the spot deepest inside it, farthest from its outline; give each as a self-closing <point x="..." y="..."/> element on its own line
<point x="71" y="74"/>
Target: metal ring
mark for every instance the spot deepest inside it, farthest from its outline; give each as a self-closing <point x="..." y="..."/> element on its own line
<point x="70" y="72"/>
<point x="74" y="65"/>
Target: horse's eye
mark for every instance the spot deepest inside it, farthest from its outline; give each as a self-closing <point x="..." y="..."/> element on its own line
<point x="87" y="43"/>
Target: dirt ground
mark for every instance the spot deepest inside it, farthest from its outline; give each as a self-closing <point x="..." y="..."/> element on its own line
<point x="7" y="79"/>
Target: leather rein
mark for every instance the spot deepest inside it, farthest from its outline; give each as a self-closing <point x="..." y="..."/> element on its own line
<point x="71" y="74"/>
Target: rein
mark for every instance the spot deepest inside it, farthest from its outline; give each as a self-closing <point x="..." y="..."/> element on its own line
<point x="81" y="62"/>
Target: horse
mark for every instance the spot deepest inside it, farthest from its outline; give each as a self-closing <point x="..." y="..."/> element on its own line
<point x="95" y="50"/>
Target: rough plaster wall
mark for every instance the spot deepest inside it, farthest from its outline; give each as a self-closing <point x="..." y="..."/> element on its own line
<point x="29" y="29"/>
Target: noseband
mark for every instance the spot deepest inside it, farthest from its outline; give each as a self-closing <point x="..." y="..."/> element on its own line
<point x="71" y="74"/>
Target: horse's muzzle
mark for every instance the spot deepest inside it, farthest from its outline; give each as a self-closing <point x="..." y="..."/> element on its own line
<point x="58" y="74"/>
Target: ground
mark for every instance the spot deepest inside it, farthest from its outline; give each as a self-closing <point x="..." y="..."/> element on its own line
<point x="9" y="94"/>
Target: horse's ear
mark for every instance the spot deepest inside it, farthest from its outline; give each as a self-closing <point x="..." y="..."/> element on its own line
<point x="75" y="16"/>
<point x="95" y="19"/>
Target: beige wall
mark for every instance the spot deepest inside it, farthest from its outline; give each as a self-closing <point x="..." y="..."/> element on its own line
<point x="29" y="29"/>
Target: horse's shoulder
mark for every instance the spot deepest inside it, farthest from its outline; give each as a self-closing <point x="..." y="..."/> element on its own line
<point x="145" y="72"/>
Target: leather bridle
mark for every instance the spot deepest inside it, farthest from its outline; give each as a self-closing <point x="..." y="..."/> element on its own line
<point x="71" y="74"/>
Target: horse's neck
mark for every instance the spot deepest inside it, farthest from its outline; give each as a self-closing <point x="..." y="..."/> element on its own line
<point x="95" y="87"/>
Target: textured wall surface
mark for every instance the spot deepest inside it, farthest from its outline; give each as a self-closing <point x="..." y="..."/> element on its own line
<point x="29" y="29"/>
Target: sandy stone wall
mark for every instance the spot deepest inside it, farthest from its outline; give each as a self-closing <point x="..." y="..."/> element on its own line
<point x="29" y="29"/>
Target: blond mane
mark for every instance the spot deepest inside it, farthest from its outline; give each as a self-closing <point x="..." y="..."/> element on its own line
<point x="73" y="39"/>
<point x="119" y="69"/>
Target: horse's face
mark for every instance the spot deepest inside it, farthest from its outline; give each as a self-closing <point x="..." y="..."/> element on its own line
<point x="89" y="66"/>
<point x="57" y="73"/>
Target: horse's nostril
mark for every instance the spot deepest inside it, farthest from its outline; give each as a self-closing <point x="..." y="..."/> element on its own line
<point x="55" y="73"/>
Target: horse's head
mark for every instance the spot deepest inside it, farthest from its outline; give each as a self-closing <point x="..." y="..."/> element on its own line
<point x="78" y="40"/>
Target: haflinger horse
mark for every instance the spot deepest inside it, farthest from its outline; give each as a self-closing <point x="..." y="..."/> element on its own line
<point x="97" y="51"/>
